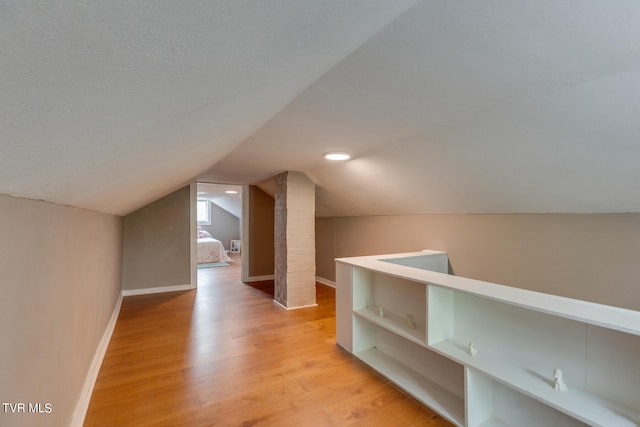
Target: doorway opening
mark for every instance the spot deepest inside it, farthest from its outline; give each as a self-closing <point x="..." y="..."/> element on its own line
<point x="218" y="230"/>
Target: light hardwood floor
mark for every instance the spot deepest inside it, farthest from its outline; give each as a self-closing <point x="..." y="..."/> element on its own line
<point x="227" y="355"/>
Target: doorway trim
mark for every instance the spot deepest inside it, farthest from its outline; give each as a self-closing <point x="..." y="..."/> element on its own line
<point x="193" y="219"/>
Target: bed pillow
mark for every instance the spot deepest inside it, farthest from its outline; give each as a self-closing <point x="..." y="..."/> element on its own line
<point x="203" y="233"/>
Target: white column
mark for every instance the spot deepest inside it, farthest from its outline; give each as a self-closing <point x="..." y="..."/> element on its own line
<point x="295" y="253"/>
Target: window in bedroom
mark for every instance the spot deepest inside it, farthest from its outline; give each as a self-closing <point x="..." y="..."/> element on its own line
<point x="204" y="212"/>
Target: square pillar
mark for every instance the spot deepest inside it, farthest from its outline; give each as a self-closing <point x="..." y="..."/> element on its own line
<point x="295" y="246"/>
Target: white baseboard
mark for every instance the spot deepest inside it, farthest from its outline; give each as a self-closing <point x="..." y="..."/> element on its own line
<point x="294" y="308"/>
<point x="260" y="278"/>
<point x="158" y="290"/>
<point x="326" y="282"/>
<point x="271" y="277"/>
<point x="82" y="406"/>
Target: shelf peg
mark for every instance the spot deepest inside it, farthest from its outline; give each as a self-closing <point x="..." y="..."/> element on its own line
<point x="558" y="381"/>
<point x="472" y="349"/>
<point x="410" y="321"/>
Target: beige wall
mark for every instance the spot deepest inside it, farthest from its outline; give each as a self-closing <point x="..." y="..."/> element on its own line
<point x="325" y="265"/>
<point x="59" y="284"/>
<point x="156" y="251"/>
<point x="261" y="241"/>
<point x="589" y="257"/>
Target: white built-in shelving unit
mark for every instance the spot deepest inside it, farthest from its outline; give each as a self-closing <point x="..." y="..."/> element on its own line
<point x="521" y="336"/>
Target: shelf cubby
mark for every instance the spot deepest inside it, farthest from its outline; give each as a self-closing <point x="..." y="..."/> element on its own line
<point x="521" y="348"/>
<point x="397" y="297"/>
<point x="511" y="336"/>
<point x="394" y="323"/>
<point x="492" y="404"/>
<point x="432" y="379"/>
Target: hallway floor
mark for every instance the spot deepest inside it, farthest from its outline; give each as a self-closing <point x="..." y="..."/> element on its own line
<point x="227" y="355"/>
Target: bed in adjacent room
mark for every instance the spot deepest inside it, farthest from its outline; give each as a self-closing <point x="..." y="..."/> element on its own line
<point x="210" y="250"/>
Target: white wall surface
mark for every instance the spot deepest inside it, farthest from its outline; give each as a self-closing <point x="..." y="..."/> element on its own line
<point x="59" y="283"/>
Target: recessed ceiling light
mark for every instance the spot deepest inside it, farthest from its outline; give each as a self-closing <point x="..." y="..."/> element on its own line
<point x="231" y="191"/>
<point x="337" y="155"/>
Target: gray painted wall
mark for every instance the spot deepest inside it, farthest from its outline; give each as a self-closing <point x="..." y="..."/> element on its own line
<point x="261" y="232"/>
<point x="224" y="226"/>
<point x="156" y="248"/>
<point x="592" y="257"/>
<point x="59" y="283"/>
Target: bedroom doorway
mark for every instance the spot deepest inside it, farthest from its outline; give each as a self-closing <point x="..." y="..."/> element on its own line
<point x="218" y="217"/>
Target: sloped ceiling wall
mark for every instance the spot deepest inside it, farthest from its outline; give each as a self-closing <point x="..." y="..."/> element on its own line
<point x="109" y="105"/>
<point x="465" y="106"/>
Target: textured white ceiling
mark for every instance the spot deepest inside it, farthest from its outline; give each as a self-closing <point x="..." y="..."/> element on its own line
<point x="109" y="105"/>
<point x="464" y="106"/>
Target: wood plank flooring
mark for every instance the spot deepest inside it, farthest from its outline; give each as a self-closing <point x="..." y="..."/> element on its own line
<point x="226" y="355"/>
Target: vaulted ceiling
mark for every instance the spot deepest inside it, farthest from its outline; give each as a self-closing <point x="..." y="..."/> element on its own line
<point x="446" y="106"/>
